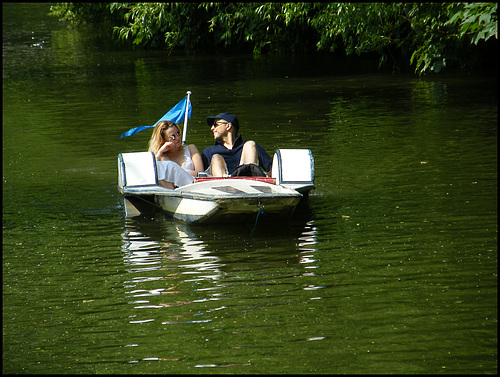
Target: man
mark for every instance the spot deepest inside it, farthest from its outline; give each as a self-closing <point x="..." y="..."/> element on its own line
<point x="230" y="151"/>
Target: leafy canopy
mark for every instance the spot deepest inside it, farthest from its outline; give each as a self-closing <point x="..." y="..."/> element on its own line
<point x="431" y="35"/>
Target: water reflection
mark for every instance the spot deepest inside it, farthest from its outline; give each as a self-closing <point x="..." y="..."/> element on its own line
<point x="185" y="282"/>
<point x="163" y="262"/>
<point x="174" y="265"/>
<point x="307" y="245"/>
<point x="143" y="247"/>
<point x="430" y="93"/>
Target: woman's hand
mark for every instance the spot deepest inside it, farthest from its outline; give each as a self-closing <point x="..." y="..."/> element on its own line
<point x="164" y="149"/>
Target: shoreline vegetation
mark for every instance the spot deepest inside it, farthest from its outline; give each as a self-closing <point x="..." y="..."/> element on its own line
<point x="428" y="37"/>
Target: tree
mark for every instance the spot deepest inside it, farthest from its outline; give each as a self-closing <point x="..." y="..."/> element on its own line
<point x="160" y="25"/>
<point x="94" y="14"/>
<point x="445" y="31"/>
<point x="431" y="35"/>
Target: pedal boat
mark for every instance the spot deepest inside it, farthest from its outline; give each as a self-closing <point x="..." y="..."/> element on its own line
<point x="211" y="200"/>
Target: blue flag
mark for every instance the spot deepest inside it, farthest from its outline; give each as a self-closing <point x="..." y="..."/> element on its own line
<point x="176" y="115"/>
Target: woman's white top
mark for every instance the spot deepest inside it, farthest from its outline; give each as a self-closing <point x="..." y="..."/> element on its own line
<point x="171" y="171"/>
<point x="188" y="164"/>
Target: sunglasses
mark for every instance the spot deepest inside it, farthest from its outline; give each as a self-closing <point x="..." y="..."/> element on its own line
<point x="217" y="124"/>
<point x="173" y="137"/>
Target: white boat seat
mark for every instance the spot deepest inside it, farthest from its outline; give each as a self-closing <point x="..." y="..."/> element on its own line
<point x="293" y="168"/>
<point x="137" y="169"/>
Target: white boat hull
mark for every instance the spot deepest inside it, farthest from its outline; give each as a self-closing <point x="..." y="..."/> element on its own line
<point x="215" y="201"/>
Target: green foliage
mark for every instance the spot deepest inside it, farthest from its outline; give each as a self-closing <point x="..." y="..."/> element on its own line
<point x="277" y="28"/>
<point x="361" y="28"/>
<point x="479" y="20"/>
<point x="159" y="24"/>
<point x="94" y="14"/>
<point x="431" y="35"/>
<point x="430" y="32"/>
<point x="444" y="31"/>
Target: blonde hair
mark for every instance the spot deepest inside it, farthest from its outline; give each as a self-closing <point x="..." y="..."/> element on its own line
<point x="157" y="138"/>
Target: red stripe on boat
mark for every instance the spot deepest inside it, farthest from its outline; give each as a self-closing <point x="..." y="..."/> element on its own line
<point x="260" y="179"/>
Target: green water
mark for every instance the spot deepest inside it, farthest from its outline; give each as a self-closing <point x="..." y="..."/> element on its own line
<point x="390" y="268"/>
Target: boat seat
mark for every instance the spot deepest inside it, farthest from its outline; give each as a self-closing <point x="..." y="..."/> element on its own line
<point x="293" y="168"/>
<point x="137" y="169"/>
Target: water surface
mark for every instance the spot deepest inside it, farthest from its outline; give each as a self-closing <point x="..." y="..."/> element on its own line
<point x="390" y="268"/>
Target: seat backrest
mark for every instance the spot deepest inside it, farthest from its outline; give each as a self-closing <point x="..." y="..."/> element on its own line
<point x="137" y="169"/>
<point x="293" y="166"/>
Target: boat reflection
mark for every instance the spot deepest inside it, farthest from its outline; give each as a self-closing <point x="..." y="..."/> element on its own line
<point x="151" y="245"/>
<point x="161" y="243"/>
<point x="172" y="264"/>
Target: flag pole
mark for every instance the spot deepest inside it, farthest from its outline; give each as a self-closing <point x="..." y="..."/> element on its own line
<point x="184" y="131"/>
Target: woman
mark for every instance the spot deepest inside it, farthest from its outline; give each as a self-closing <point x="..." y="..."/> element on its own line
<point x="176" y="165"/>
